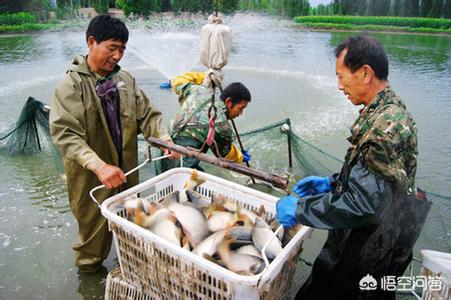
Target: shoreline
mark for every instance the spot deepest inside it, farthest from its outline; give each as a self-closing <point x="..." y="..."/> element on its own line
<point x="319" y="29"/>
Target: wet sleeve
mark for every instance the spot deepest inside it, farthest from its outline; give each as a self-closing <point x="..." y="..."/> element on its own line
<point x="67" y="124"/>
<point x="150" y="119"/>
<point x="179" y="82"/>
<point x="360" y="205"/>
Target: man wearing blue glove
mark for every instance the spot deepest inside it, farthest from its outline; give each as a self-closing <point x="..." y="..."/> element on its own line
<point x="190" y="126"/>
<point x="372" y="208"/>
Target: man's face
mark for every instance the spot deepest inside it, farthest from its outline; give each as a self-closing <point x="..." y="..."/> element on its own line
<point x="352" y="84"/>
<point x="104" y="56"/>
<point x="236" y="110"/>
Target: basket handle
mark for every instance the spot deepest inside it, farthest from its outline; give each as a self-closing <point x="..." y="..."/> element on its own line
<point x="263" y="251"/>
<point x="265" y="258"/>
<point x="91" y="192"/>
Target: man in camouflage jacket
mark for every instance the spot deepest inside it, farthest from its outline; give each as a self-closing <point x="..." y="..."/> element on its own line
<point x="190" y="125"/>
<point x="370" y="208"/>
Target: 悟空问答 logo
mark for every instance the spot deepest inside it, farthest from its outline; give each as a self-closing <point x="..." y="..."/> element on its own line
<point x="368" y="283"/>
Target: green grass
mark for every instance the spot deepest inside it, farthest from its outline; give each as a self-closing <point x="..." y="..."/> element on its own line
<point x="26" y="27"/>
<point x="423" y="25"/>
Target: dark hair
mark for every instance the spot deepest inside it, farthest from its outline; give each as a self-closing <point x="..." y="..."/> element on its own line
<point x="363" y="50"/>
<point x="105" y="27"/>
<point x="237" y="92"/>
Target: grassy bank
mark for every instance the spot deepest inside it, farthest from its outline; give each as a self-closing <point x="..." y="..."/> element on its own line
<point x="420" y="25"/>
<point x="27" y="27"/>
<point x="22" y="22"/>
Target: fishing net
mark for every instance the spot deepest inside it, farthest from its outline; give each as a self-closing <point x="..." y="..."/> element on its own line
<point x="25" y="135"/>
<point x="275" y="148"/>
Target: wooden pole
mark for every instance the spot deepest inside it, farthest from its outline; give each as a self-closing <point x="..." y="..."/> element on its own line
<point x="241" y="145"/>
<point x="276" y="180"/>
<point x="290" y="159"/>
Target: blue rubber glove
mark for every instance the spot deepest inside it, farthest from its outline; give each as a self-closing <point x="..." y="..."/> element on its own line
<point x="165" y="85"/>
<point x="312" y="185"/>
<point x="286" y="211"/>
<point x="246" y="156"/>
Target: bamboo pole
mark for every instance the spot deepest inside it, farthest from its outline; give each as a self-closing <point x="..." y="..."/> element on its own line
<point x="276" y="180"/>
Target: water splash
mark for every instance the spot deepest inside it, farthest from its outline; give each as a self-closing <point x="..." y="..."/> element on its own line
<point x="171" y="53"/>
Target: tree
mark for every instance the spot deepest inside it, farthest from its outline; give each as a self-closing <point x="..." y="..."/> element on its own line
<point x="337" y="7"/>
<point x="411" y="8"/>
<point x="397" y="7"/>
<point x="100" y="6"/>
<point x="227" y="6"/>
<point x="447" y="9"/>
<point x="378" y="7"/>
<point x="436" y="9"/>
<point x="425" y="7"/>
<point x="11" y="6"/>
<point x="359" y="7"/>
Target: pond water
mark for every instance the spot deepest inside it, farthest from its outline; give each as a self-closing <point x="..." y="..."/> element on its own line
<point x="291" y="74"/>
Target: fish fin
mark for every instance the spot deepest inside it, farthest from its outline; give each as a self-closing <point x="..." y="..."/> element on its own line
<point x="185" y="243"/>
<point x="140" y="216"/>
<point x="130" y="214"/>
<point x="224" y="251"/>
<point x="153" y="207"/>
<point x="172" y="218"/>
<point x="194" y="181"/>
<point x="210" y="258"/>
<point x="208" y="211"/>
<point x="261" y="212"/>
<point x="218" y="198"/>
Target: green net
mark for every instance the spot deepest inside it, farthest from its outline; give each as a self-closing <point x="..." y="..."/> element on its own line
<point x="26" y="134"/>
<point x="275" y="149"/>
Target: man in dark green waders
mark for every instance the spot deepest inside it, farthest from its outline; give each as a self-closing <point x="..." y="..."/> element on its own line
<point x="372" y="208"/>
<point x="96" y="114"/>
<point x="190" y="127"/>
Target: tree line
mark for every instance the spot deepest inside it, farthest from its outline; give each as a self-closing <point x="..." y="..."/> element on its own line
<point x="290" y="8"/>
<point x="398" y="8"/>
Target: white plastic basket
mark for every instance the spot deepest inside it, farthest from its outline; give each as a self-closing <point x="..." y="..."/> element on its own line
<point x="119" y="289"/>
<point x="437" y="265"/>
<point x="166" y="271"/>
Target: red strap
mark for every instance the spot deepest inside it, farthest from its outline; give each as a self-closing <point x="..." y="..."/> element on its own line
<point x="211" y="131"/>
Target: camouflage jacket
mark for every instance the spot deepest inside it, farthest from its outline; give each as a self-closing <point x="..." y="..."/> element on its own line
<point x="192" y="96"/>
<point x="384" y="136"/>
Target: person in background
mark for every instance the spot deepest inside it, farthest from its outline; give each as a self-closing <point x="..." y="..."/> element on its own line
<point x="96" y="115"/>
<point x="372" y="208"/>
<point x="190" y="126"/>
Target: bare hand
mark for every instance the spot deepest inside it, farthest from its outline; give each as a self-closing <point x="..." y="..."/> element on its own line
<point x="172" y="154"/>
<point x="110" y="176"/>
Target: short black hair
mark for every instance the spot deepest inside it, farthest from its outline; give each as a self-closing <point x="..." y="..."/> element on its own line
<point x="105" y="27"/>
<point x="237" y="92"/>
<point x="364" y="50"/>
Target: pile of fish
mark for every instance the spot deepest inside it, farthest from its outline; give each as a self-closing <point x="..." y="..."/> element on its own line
<point x="218" y="229"/>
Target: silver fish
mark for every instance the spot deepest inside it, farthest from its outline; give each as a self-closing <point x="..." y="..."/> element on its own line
<point x="167" y="228"/>
<point x="210" y="244"/>
<point x="261" y="234"/>
<point x="193" y="221"/>
<point x="220" y="220"/>
<point x="162" y="222"/>
<point x="249" y="250"/>
<point x="239" y="263"/>
<point x="197" y="199"/>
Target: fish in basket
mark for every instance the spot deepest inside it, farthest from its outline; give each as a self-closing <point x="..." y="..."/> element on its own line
<point x="186" y="234"/>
